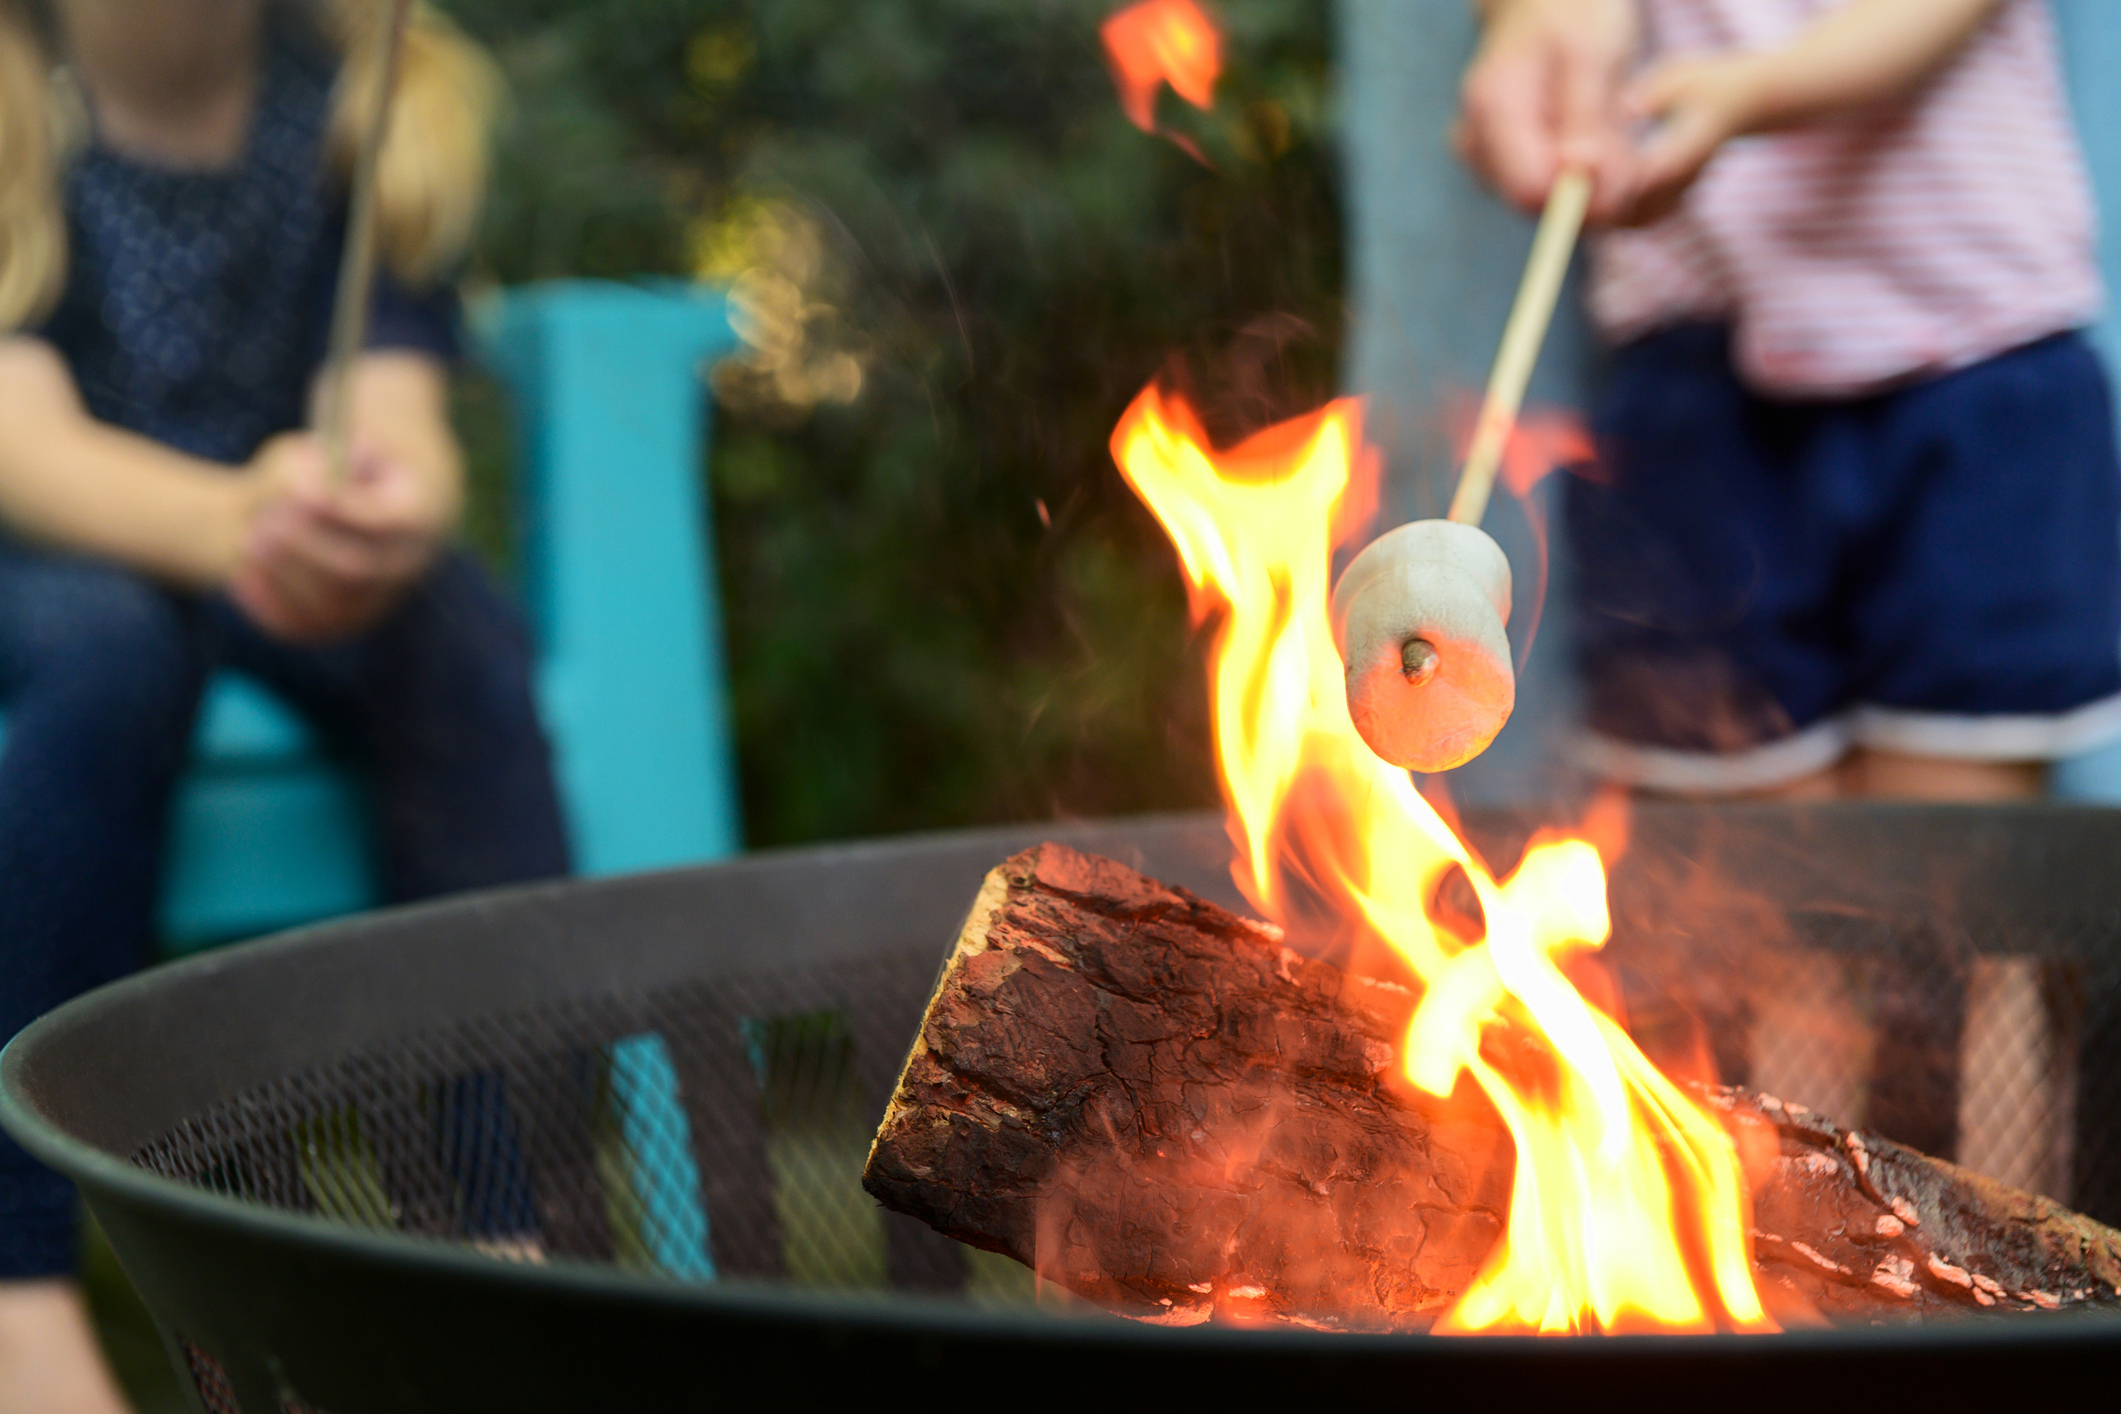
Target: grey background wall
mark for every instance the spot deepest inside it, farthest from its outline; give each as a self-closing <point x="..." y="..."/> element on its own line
<point x="1434" y="261"/>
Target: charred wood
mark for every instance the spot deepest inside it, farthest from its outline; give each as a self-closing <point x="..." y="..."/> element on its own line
<point x="1155" y="1103"/>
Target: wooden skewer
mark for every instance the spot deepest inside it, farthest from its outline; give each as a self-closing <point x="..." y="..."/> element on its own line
<point x="357" y="263"/>
<point x="1521" y="338"/>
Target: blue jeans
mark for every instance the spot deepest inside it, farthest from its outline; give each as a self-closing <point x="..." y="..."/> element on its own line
<point x="101" y="673"/>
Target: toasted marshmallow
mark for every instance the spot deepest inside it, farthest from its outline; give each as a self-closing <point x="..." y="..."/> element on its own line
<point x="1418" y="617"/>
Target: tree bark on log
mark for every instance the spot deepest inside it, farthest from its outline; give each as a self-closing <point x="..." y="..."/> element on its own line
<point x="1154" y="1103"/>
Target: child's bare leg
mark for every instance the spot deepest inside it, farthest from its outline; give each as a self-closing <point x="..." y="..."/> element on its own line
<point x="2009" y="1108"/>
<point x="50" y="1362"/>
<point x="1888" y="773"/>
<point x="1819" y="785"/>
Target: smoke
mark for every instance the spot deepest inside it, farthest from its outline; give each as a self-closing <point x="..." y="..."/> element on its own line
<point x="1844" y="958"/>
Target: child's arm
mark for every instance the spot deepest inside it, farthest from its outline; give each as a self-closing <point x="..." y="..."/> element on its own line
<point x="400" y="413"/>
<point x="70" y="481"/>
<point x="1866" y="52"/>
<point x="305" y="559"/>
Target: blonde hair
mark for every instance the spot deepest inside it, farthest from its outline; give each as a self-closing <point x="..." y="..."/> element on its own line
<point x="430" y="179"/>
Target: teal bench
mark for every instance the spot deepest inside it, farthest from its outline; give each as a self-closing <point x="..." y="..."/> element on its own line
<point x="612" y="417"/>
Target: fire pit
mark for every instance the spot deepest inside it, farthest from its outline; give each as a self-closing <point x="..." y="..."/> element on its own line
<point x="598" y="1146"/>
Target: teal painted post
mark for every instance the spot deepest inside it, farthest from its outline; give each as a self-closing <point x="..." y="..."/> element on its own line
<point x="613" y="416"/>
<point x="659" y="1142"/>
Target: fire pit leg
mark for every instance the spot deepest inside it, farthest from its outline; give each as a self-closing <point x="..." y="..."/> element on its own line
<point x="2095" y="1152"/>
<point x="1918" y="1012"/>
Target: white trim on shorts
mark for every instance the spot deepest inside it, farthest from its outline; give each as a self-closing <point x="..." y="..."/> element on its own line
<point x="1715" y="772"/>
<point x="1958" y="736"/>
<point x="2012" y="737"/>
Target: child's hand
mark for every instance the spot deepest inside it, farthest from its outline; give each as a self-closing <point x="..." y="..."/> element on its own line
<point x="1855" y="56"/>
<point x="324" y="561"/>
<point x="1542" y="93"/>
<point x="1699" y="104"/>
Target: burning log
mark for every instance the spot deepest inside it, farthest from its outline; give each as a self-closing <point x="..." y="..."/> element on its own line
<point x="1156" y="1104"/>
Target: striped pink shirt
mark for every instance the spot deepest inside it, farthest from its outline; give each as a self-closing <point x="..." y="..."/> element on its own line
<point x="1867" y="251"/>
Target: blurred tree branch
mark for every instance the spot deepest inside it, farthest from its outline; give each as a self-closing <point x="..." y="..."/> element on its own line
<point x="954" y="261"/>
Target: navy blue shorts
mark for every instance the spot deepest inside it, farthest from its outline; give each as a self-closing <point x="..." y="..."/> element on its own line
<point x="1934" y="570"/>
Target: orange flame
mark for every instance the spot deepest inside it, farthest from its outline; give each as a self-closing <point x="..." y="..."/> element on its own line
<point x="1541" y="442"/>
<point x="1629" y="1207"/>
<point x="1162" y="41"/>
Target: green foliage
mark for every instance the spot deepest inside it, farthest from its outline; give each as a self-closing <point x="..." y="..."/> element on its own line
<point x="956" y="263"/>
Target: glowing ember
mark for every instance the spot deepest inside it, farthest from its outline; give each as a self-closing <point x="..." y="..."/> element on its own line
<point x="1157" y="42"/>
<point x="1628" y="1210"/>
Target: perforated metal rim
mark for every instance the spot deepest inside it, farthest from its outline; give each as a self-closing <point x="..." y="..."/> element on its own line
<point x="909" y="1316"/>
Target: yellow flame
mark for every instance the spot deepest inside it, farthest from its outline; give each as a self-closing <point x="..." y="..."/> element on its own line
<point x="1628" y="1209"/>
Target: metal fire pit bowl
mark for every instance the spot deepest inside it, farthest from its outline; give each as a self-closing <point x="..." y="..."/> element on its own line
<point x="595" y="1146"/>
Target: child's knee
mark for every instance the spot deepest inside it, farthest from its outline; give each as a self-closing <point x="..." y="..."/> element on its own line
<point x="89" y="633"/>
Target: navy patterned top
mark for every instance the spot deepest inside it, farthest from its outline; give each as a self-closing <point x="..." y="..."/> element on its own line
<point x="197" y="302"/>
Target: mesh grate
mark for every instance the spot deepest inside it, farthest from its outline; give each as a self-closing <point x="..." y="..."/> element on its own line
<point x="1978" y="1043"/>
<point x="700" y="1132"/>
<point x="2015" y="1087"/>
<point x="718" y="1129"/>
<point x="216" y="1394"/>
<point x="1974" y="1065"/>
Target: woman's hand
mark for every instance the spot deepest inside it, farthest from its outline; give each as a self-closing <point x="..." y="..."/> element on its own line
<point x="1543" y="93"/>
<point x="324" y="561"/>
